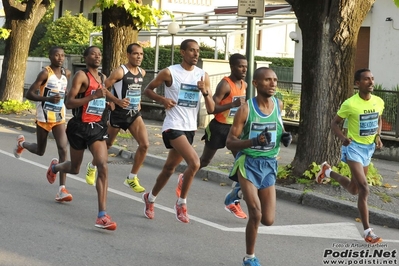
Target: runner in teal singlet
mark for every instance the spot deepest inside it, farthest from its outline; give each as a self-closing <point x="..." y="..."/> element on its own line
<point x="256" y="132"/>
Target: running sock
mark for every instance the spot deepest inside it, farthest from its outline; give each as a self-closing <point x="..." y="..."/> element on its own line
<point x="92" y="166"/>
<point x="151" y="198"/>
<point x="328" y="172"/>
<point x="22" y="144"/>
<point x="53" y="168"/>
<point x="181" y="201"/>
<point x="367" y="231"/>
<point x="101" y="214"/>
<point x="131" y="176"/>
<point x="247" y="257"/>
<point x="61" y="187"/>
<point x="239" y="194"/>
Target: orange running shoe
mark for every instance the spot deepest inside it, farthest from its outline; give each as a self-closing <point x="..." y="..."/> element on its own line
<point x="181" y="213"/>
<point x="179" y="185"/>
<point x="235" y="208"/>
<point x="18" y="148"/>
<point x="105" y="222"/>
<point x="149" y="206"/>
<point x="321" y="175"/>
<point x="63" y="195"/>
<point x="372" y="238"/>
<point x="51" y="176"/>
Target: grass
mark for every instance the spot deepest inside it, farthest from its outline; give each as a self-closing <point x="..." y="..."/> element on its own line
<point x="384" y="197"/>
<point x="304" y="181"/>
<point x="125" y="135"/>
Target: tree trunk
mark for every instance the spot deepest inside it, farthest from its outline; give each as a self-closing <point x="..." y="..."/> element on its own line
<point x="118" y="32"/>
<point x="329" y="35"/>
<point x="22" y="19"/>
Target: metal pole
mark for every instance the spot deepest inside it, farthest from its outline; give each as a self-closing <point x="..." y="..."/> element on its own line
<point x="156" y="54"/>
<point x="215" y="54"/>
<point x="173" y="48"/>
<point x="250" y="54"/>
<point x="226" y="51"/>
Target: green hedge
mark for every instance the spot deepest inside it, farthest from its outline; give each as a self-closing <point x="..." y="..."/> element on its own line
<point x="165" y="56"/>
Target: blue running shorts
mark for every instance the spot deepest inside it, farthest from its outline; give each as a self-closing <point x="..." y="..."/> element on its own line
<point x="260" y="171"/>
<point x="357" y="152"/>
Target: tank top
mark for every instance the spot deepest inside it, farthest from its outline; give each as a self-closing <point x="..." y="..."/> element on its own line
<point x="48" y="112"/>
<point x="227" y="116"/>
<point x="256" y="123"/>
<point x="184" y="91"/>
<point x="362" y="117"/>
<point x="129" y="87"/>
<point x="92" y="111"/>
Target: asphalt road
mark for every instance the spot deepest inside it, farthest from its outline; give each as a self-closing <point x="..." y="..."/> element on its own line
<point x="35" y="230"/>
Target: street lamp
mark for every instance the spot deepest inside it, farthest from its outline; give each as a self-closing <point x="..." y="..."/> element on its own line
<point x="173" y="29"/>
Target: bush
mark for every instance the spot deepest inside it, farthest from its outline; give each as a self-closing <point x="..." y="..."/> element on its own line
<point x="373" y="177"/>
<point x="70" y="32"/>
<point x="206" y="52"/>
<point x="15" y="107"/>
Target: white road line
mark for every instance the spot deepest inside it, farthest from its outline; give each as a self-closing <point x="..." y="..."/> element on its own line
<point x="327" y="230"/>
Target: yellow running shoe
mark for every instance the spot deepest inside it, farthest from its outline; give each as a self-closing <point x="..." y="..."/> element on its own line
<point x="91" y="174"/>
<point x="134" y="184"/>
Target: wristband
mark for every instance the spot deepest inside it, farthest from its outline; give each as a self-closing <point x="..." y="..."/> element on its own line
<point x="205" y="94"/>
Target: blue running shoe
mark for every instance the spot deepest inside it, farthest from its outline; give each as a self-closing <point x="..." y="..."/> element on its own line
<point x="251" y="262"/>
<point x="232" y="196"/>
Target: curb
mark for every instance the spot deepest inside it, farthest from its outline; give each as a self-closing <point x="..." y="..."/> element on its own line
<point x="310" y="199"/>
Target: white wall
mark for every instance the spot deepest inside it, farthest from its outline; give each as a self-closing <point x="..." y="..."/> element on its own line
<point x="384" y="39"/>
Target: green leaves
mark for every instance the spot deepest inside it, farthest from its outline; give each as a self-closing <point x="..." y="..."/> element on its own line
<point x="396" y="2"/>
<point x="15" y="107"/>
<point x="4" y="33"/>
<point x="143" y="16"/>
<point x="70" y="32"/>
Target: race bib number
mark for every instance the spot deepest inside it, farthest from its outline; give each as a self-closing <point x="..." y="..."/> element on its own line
<point x="233" y="110"/>
<point x="134" y="97"/>
<point x="188" y="96"/>
<point x="54" y="107"/>
<point x="96" y="106"/>
<point x="368" y="124"/>
<point x="257" y="128"/>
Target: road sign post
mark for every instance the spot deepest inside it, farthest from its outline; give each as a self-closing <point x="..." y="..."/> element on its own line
<point x="251" y="9"/>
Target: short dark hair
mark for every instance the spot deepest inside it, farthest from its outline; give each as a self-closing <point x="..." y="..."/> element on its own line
<point x="52" y="50"/>
<point x="358" y="73"/>
<point x="184" y="44"/>
<point x="87" y="50"/>
<point x="129" y="48"/>
<point x="258" y="72"/>
<point x="233" y="60"/>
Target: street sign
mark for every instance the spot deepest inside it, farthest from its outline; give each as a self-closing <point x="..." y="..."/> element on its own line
<point x="251" y="8"/>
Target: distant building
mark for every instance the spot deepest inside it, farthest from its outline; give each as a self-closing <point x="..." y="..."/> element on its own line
<point x="2" y="15"/>
<point x="281" y="46"/>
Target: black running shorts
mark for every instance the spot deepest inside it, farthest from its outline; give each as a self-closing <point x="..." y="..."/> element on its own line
<point x="172" y="134"/>
<point x="121" y="118"/>
<point x="216" y="135"/>
<point x="81" y="135"/>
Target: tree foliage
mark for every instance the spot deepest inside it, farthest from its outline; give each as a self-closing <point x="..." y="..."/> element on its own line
<point x="121" y="21"/>
<point x="142" y="16"/>
<point x="68" y="32"/>
<point x="396" y="2"/>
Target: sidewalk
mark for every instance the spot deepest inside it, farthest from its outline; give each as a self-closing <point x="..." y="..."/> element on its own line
<point x="323" y="197"/>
